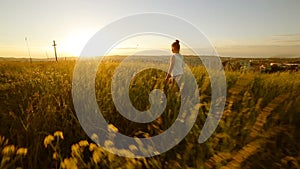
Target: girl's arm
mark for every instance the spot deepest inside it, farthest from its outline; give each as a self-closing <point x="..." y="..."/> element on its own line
<point x="172" y="60"/>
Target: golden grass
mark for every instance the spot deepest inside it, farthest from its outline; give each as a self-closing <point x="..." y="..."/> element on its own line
<point x="38" y="117"/>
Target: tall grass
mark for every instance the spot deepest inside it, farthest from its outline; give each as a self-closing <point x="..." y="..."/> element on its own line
<point x="259" y="128"/>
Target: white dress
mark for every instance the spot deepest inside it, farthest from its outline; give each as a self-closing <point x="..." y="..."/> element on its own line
<point x="178" y="65"/>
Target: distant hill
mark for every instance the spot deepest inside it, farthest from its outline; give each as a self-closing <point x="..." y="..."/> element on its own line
<point x="34" y="59"/>
<point x="285" y="56"/>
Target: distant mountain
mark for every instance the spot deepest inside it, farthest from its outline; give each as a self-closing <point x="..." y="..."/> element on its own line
<point x="13" y="59"/>
<point x="34" y="59"/>
<point x="285" y="56"/>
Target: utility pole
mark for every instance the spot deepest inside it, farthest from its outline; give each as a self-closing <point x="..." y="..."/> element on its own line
<point x="54" y="45"/>
<point x="28" y="50"/>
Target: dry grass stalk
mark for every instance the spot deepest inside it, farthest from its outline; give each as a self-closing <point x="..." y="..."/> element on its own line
<point x="264" y="114"/>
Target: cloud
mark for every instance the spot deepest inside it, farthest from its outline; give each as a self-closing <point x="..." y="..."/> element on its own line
<point x="286" y="35"/>
<point x="286" y="39"/>
<point x="261" y="50"/>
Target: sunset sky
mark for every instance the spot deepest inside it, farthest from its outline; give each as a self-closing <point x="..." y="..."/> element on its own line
<point x="236" y="28"/>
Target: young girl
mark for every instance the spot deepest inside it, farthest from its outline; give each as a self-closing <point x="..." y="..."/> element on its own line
<point x="176" y="63"/>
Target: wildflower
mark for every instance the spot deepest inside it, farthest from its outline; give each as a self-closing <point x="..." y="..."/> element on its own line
<point x="69" y="163"/>
<point x="92" y="147"/>
<point x="7" y="150"/>
<point x="48" y="140"/>
<point x="108" y="143"/>
<point x="112" y="128"/>
<point x="22" y="151"/>
<point x="138" y="141"/>
<point x="132" y="147"/>
<point x="125" y="153"/>
<point x="75" y="150"/>
<point x="59" y="134"/>
<point x="94" y="137"/>
<point x="55" y="156"/>
<point x="83" y="143"/>
<point x="96" y="156"/>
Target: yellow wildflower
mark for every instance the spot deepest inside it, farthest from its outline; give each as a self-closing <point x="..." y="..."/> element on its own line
<point x="7" y="150"/>
<point x="92" y="147"/>
<point x="97" y="156"/>
<point x="48" y="140"/>
<point x="75" y="150"/>
<point x="125" y="153"/>
<point x="112" y="128"/>
<point x="69" y="163"/>
<point x="108" y="143"/>
<point x="59" y="134"/>
<point x="132" y="147"/>
<point x="55" y="156"/>
<point x="95" y="138"/>
<point x="22" y="151"/>
<point x="83" y="143"/>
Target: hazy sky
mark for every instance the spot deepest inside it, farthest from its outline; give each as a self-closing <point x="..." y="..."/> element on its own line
<point x="235" y="27"/>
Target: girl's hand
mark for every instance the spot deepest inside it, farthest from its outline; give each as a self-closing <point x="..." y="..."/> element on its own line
<point x="168" y="77"/>
<point x="170" y="80"/>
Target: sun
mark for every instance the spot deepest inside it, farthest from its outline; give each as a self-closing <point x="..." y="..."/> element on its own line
<point x="74" y="44"/>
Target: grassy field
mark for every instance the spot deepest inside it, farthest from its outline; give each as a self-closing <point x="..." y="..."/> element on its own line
<point x="39" y="128"/>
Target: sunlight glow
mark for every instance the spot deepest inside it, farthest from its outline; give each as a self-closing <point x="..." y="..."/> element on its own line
<point x="75" y="42"/>
<point x="145" y="45"/>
